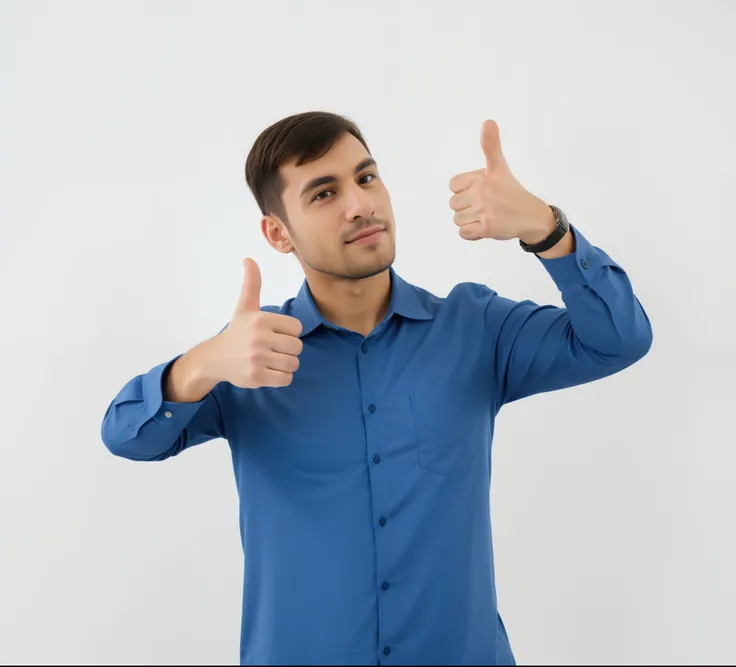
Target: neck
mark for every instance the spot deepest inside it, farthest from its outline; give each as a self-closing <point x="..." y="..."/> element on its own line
<point x="357" y="305"/>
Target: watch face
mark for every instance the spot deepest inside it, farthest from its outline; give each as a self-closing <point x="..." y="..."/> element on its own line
<point x="561" y="217"/>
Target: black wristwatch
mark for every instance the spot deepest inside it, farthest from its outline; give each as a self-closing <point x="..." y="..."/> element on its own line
<point x="562" y="228"/>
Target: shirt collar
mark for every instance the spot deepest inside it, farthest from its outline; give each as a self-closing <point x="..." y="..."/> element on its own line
<point x="405" y="301"/>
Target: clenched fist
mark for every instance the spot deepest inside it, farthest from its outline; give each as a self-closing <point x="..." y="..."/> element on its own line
<point x="256" y="349"/>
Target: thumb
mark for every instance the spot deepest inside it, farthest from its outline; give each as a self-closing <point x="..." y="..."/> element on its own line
<point x="490" y="142"/>
<point x="250" y="293"/>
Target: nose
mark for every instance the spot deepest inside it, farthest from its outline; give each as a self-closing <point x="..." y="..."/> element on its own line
<point x="359" y="204"/>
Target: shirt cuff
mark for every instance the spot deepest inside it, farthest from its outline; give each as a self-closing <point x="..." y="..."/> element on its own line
<point x="153" y="399"/>
<point x="579" y="267"/>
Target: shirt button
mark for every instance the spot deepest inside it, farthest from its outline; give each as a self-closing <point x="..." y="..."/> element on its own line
<point x="584" y="263"/>
<point x="386" y="650"/>
<point x="364" y="347"/>
<point x="384" y="585"/>
<point x="376" y="459"/>
<point x="372" y="407"/>
<point x="168" y="415"/>
<point x="382" y="521"/>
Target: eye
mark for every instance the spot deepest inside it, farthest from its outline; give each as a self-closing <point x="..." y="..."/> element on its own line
<point x="363" y="180"/>
<point x="319" y="197"/>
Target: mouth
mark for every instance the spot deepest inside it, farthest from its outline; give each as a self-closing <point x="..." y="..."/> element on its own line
<point x="370" y="237"/>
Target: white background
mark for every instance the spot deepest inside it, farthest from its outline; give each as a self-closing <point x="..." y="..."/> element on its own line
<point x="124" y="128"/>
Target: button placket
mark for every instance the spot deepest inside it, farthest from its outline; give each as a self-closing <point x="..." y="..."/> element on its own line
<point x="371" y="382"/>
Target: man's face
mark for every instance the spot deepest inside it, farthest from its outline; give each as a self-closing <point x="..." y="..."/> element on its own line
<point x="332" y="200"/>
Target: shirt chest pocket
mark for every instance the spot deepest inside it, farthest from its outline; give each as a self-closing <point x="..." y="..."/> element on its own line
<point x="452" y="428"/>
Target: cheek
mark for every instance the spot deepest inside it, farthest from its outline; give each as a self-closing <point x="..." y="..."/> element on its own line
<point x="383" y="202"/>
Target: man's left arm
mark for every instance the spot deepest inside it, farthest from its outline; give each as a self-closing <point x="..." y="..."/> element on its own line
<point x="603" y="328"/>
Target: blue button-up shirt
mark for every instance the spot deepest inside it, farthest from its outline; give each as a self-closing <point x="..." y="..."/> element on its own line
<point x="364" y="485"/>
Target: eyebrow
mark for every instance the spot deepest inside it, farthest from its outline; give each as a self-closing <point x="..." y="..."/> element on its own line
<point x="324" y="180"/>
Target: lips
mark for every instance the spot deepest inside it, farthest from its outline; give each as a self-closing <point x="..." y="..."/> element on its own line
<point x="366" y="232"/>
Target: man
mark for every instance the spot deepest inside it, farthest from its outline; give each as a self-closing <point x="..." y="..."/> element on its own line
<point x="360" y="413"/>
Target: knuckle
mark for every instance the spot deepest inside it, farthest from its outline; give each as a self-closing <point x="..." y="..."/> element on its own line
<point x="258" y="341"/>
<point x="256" y="357"/>
<point x="259" y="318"/>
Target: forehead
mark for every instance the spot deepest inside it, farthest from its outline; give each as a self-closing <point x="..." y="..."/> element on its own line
<point x="339" y="161"/>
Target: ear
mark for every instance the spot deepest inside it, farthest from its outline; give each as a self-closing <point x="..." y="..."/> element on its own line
<point x="277" y="234"/>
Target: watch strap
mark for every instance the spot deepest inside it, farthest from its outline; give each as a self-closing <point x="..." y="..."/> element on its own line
<point x="560" y="230"/>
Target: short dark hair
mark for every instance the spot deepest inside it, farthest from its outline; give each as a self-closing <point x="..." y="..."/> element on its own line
<point x="305" y="136"/>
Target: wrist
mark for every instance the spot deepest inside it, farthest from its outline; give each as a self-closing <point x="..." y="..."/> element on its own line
<point x="191" y="377"/>
<point x="550" y="243"/>
<point x="545" y="224"/>
<point x="204" y="369"/>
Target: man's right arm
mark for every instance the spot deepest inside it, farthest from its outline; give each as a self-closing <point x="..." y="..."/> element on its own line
<point x="160" y="413"/>
<point x="175" y="405"/>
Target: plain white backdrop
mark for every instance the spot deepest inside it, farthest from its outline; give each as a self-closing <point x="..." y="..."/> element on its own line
<point x="124" y="214"/>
